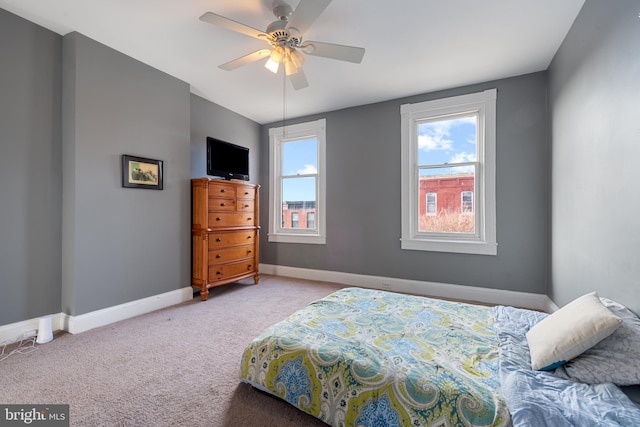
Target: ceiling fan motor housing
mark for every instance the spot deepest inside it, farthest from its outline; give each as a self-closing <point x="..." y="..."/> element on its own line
<point x="280" y="36"/>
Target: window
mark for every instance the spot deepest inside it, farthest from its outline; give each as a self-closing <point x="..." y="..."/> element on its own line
<point x="297" y="181"/>
<point x="466" y="201"/>
<point x="448" y="160"/>
<point x="432" y="204"/>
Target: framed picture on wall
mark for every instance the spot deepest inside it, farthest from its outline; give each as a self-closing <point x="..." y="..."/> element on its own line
<point x="139" y="172"/>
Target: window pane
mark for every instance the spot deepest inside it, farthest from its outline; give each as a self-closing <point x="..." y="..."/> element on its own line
<point x="300" y="157"/>
<point x="447" y="141"/>
<point x="453" y="188"/>
<point x="467" y="201"/>
<point x="298" y="197"/>
<point x="432" y="203"/>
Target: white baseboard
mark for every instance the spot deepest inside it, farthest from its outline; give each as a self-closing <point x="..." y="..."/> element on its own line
<point x="106" y="316"/>
<point x="440" y="290"/>
<point x="75" y="324"/>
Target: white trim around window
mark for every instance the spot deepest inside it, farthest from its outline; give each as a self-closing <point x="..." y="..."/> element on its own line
<point x="483" y="241"/>
<point x="277" y="137"/>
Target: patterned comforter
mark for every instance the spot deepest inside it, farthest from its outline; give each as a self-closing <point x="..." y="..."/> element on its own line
<point x="362" y="357"/>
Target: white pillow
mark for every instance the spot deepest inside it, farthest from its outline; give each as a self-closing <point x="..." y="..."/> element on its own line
<point x="568" y="332"/>
<point x="615" y="359"/>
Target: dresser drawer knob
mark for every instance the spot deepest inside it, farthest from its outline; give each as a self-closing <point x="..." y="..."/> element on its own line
<point x="223" y="190"/>
<point x="249" y="251"/>
<point x="218" y="273"/>
<point x="218" y="219"/>
<point x="218" y="256"/>
<point x="249" y="267"/>
<point x="249" y="219"/>
<point x="248" y="237"/>
<point x="246" y="206"/>
<point x="218" y="240"/>
<point x="223" y="204"/>
<point x="246" y="193"/>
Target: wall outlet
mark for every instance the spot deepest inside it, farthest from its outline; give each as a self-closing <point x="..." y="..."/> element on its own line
<point x="29" y="334"/>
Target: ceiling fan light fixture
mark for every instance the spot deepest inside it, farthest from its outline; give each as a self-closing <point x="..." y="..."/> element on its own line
<point x="275" y="58"/>
<point x="272" y="66"/>
<point x="289" y="66"/>
<point x="278" y="53"/>
<point x="297" y="58"/>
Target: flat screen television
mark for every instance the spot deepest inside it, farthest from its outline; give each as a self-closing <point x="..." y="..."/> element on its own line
<point x="227" y="160"/>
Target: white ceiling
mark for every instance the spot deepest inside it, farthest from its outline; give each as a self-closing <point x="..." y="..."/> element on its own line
<point x="412" y="46"/>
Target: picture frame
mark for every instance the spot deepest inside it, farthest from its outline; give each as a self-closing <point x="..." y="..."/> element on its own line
<point x="141" y="172"/>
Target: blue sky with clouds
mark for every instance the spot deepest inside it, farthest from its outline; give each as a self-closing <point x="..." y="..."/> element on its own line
<point x="447" y="141"/>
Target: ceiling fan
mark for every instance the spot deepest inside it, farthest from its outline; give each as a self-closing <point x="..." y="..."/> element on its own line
<point x="285" y="39"/>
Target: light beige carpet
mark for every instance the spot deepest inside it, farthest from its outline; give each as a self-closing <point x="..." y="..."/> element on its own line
<point x="174" y="367"/>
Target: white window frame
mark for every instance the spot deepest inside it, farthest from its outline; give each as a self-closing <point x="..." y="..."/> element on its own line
<point x="278" y="136"/>
<point x="483" y="242"/>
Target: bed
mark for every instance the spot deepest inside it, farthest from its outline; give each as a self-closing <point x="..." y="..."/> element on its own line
<point x="363" y="357"/>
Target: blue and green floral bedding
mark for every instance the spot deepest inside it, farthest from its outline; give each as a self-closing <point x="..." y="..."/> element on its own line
<point x="361" y="357"/>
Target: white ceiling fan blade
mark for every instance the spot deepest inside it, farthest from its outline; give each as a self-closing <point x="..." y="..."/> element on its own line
<point x="333" y="51"/>
<point x="232" y="25"/>
<point x="244" y="60"/>
<point x="306" y="14"/>
<point x="299" y="80"/>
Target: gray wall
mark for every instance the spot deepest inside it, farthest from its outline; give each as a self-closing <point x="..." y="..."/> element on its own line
<point x="121" y="244"/>
<point x="595" y="107"/>
<point x="30" y="170"/>
<point x="363" y="196"/>
<point x="209" y="119"/>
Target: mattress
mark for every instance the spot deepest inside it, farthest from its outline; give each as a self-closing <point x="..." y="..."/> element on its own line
<point x="368" y="357"/>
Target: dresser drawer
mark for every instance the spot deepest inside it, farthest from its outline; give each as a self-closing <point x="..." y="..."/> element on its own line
<point x="231" y="238"/>
<point x="245" y="192"/>
<point x="222" y="204"/>
<point x="225" y="271"/>
<point x="221" y="189"/>
<point x="228" y="219"/>
<point x="246" y="205"/>
<point x="224" y="255"/>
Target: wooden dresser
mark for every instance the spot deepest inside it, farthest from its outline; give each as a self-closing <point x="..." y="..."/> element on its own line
<point x="225" y="230"/>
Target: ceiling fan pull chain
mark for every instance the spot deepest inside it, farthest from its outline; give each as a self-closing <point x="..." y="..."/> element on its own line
<point x="284" y="101"/>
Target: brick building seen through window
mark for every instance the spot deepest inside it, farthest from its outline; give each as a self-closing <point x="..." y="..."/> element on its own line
<point x="299" y="214"/>
<point x="446" y="203"/>
<point x="446" y="193"/>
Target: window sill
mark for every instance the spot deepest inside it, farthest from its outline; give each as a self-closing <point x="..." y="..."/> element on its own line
<point x="297" y="238"/>
<point x="452" y="246"/>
